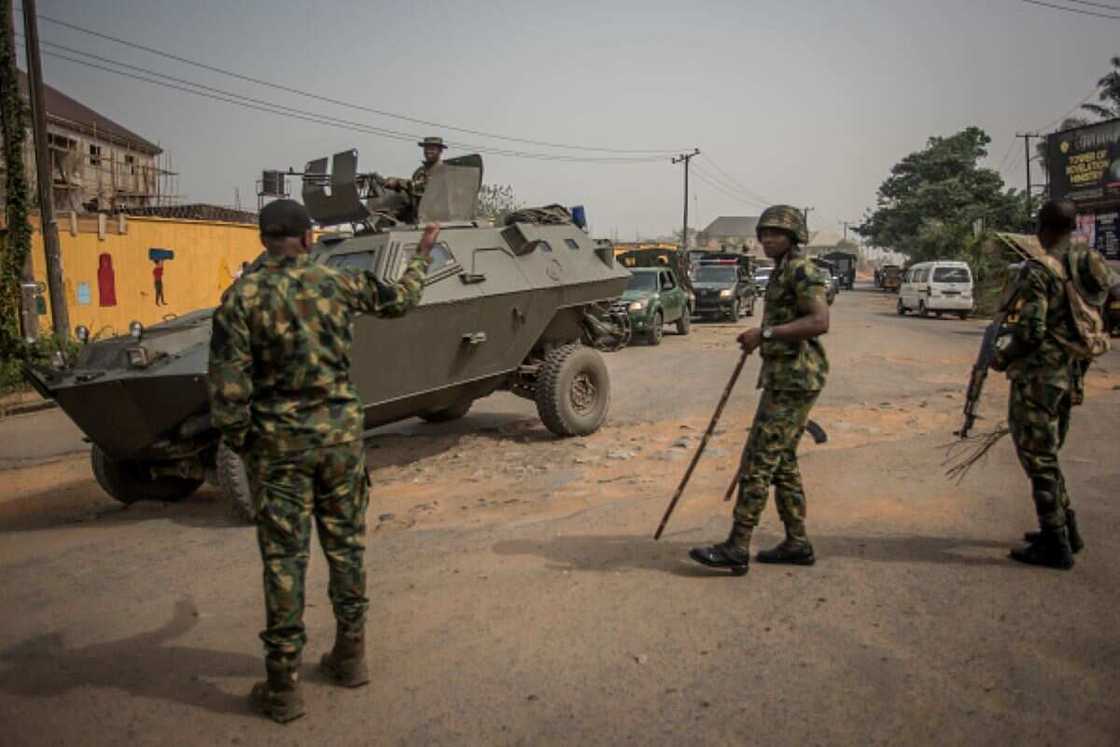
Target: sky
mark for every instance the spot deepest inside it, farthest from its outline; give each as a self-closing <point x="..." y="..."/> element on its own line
<point x="800" y="102"/>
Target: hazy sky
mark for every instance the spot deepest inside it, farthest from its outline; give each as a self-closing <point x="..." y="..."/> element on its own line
<point x="802" y="102"/>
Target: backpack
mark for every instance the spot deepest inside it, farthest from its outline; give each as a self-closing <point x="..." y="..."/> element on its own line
<point x="1092" y="334"/>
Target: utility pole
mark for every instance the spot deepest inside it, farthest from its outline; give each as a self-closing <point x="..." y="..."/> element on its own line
<point x="845" y="224"/>
<point x="685" y="158"/>
<point x="1027" y="153"/>
<point x="60" y="316"/>
<point x="805" y="215"/>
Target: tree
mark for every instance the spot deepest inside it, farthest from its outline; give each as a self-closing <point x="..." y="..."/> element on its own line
<point x="1109" y="94"/>
<point x="935" y="198"/>
<point x="495" y="201"/>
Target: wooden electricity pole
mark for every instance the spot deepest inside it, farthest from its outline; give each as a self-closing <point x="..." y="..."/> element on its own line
<point x="685" y="158"/>
<point x="60" y="315"/>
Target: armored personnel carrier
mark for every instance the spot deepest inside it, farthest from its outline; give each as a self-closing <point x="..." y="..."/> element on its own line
<point x="504" y="308"/>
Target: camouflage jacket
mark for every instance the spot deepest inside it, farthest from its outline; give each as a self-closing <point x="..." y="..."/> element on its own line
<point x="1034" y="355"/>
<point x="280" y="352"/>
<point x="800" y="365"/>
<point x="418" y="183"/>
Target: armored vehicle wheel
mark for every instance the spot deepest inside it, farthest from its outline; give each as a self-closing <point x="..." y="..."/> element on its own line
<point x="233" y="481"/>
<point x="684" y="324"/>
<point x="656" y="330"/>
<point x="573" y="391"/>
<point x="447" y="414"/>
<point x="129" y="481"/>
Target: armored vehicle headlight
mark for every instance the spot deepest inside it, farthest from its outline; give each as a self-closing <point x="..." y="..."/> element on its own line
<point x="637" y="305"/>
<point x="136" y="329"/>
<point x="82" y="333"/>
<point x="725" y="293"/>
<point x="137" y="357"/>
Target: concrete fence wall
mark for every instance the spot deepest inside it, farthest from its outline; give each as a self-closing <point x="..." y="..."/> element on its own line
<point x="108" y="268"/>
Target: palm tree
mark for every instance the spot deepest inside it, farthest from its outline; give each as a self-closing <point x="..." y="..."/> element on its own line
<point x="1109" y="93"/>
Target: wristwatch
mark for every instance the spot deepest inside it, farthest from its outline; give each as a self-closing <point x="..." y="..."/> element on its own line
<point x="767" y="333"/>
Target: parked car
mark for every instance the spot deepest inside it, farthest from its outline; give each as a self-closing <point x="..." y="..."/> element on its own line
<point x="890" y="278"/>
<point x="724" y="287"/>
<point x="845" y="264"/>
<point x="762" y="278"/>
<point x="654" y="297"/>
<point x="937" y="288"/>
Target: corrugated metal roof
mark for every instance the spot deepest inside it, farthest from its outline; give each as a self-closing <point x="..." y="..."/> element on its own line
<point x="196" y="211"/>
<point x="66" y="112"/>
<point x="733" y="225"/>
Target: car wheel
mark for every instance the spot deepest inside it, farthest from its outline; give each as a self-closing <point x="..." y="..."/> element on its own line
<point x="963" y="315"/>
<point x="901" y="308"/>
<point x="735" y="310"/>
<point x="656" y="330"/>
<point x="131" y="480"/>
<point x="923" y="312"/>
<point x="937" y="314"/>
<point x="684" y="324"/>
<point x="447" y="414"/>
<point x="573" y="391"/>
<point x="233" y="482"/>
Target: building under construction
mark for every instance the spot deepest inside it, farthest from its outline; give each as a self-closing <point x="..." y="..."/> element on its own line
<point x="97" y="165"/>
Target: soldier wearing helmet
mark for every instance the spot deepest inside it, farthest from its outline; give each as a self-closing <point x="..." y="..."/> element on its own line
<point x="414" y="187"/>
<point x="794" y="369"/>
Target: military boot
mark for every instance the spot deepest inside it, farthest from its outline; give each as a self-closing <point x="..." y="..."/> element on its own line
<point x="1051" y="550"/>
<point x="279" y="697"/>
<point x="795" y="549"/>
<point x="346" y="662"/>
<point x="1076" y="544"/>
<point x="734" y="554"/>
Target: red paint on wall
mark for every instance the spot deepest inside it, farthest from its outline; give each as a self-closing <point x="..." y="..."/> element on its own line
<point x="106" y="281"/>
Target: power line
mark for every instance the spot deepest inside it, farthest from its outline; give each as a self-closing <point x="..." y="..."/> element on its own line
<point x="714" y="185"/>
<point x="1065" y="116"/>
<point x="1094" y="5"/>
<point x="269" y="107"/>
<point x="735" y="182"/>
<point x="338" y="102"/>
<point x="730" y="189"/>
<point x="1066" y="9"/>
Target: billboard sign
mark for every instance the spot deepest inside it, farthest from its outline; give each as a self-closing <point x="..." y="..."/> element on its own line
<point x="1084" y="164"/>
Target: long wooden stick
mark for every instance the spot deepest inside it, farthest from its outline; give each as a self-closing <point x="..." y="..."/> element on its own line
<point x="703" y="444"/>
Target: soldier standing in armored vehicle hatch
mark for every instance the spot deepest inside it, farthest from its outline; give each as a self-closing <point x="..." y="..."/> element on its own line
<point x="1047" y="380"/>
<point x="281" y="396"/>
<point x="414" y="187"/>
<point x="794" y="368"/>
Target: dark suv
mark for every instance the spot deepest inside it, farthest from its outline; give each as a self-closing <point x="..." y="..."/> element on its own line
<point x="724" y="287"/>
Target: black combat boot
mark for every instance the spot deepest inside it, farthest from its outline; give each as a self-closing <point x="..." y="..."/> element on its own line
<point x="279" y="697"/>
<point x="1051" y="550"/>
<point x="795" y="549"/>
<point x="1076" y="544"/>
<point x="734" y="554"/>
<point x="346" y="663"/>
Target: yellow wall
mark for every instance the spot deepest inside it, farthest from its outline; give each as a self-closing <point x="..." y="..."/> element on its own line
<point x="206" y="257"/>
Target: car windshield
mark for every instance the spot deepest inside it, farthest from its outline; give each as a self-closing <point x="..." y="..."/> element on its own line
<point x="950" y="275"/>
<point x="642" y="281"/>
<point x="762" y="274"/>
<point x="716" y="274"/>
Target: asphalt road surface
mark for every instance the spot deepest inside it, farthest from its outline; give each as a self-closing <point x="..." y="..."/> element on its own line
<point x="517" y="596"/>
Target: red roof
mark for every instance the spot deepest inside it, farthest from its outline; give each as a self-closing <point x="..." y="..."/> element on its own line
<point x="66" y="112"/>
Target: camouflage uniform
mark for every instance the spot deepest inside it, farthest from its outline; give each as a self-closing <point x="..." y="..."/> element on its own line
<point x="281" y="396"/>
<point x="792" y="376"/>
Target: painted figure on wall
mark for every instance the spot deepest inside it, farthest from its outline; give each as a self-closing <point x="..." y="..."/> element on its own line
<point x="106" y="281"/>
<point x="157" y="277"/>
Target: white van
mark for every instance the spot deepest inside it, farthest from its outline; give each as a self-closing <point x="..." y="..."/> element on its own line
<point x="937" y="288"/>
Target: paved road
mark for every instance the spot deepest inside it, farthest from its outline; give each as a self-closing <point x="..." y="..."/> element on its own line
<point x="517" y="596"/>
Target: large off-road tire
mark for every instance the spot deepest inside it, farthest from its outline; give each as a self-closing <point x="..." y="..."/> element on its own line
<point x="657" y="329"/>
<point x="129" y="481"/>
<point x="684" y="324"/>
<point x="447" y="414"/>
<point x="573" y="391"/>
<point x="233" y="482"/>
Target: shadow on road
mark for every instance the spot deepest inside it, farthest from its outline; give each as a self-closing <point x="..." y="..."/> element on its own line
<point x="606" y="553"/>
<point x="148" y="665"/>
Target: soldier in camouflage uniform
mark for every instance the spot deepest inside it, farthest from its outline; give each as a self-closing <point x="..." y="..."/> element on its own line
<point x="281" y="396"/>
<point x="1047" y="380"/>
<point x="794" y="368"/>
<point x="414" y="187"/>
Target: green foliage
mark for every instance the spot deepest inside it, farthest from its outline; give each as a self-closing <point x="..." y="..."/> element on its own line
<point x="495" y="201"/>
<point x="933" y="201"/>
<point x="42" y="352"/>
<point x="15" y="245"/>
<point x="1109" y="94"/>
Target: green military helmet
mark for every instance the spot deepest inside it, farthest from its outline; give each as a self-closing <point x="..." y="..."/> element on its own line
<point x="785" y="218"/>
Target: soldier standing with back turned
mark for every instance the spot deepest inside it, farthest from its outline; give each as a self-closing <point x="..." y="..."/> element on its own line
<point x="1047" y="378"/>
<point x="794" y="368"/>
<point x="281" y="396"/>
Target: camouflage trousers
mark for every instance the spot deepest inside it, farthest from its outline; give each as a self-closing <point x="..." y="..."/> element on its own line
<point x="1038" y="416"/>
<point x="770" y="458"/>
<point x="331" y="485"/>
